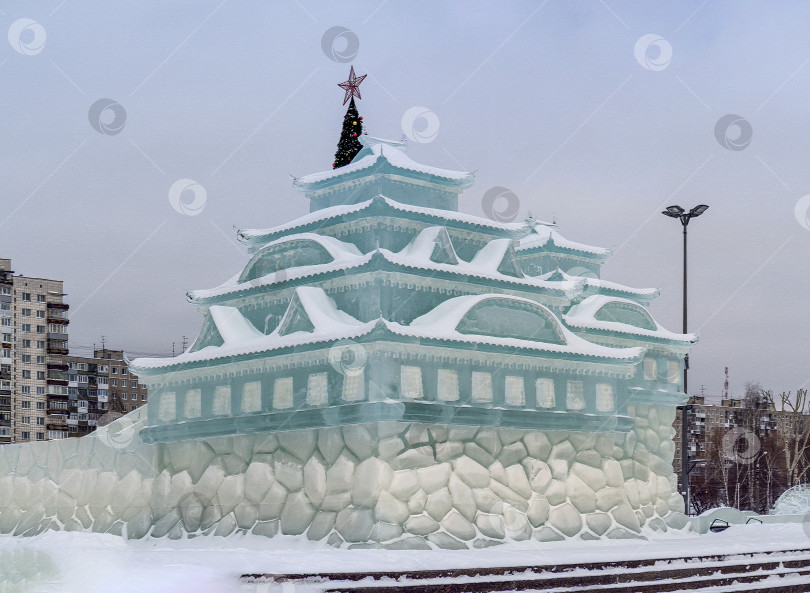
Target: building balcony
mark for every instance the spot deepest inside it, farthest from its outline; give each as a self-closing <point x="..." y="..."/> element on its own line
<point x="62" y="382"/>
<point x="6" y="422"/>
<point x="60" y="306"/>
<point x="58" y="367"/>
<point x="58" y="320"/>
<point x="5" y="375"/>
<point x="53" y="349"/>
<point x="56" y="422"/>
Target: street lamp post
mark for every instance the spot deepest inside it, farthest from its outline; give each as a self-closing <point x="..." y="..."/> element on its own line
<point x="685" y="217"/>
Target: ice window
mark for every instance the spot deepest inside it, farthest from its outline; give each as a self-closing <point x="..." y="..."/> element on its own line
<point x="167" y="408"/>
<point x="411" y="378"/>
<point x="252" y="396"/>
<point x="354" y="386"/>
<point x="481" y="387"/>
<point x="545" y="393"/>
<point x="514" y="391"/>
<point x="448" y="385"/>
<point x="221" y="406"/>
<point x="283" y="393"/>
<point x="650" y="372"/>
<point x="605" y="402"/>
<point x="192" y="406"/>
<point x="317" y="390"/>
<point x="575" y="399"/>
<point x="673" y="371"/>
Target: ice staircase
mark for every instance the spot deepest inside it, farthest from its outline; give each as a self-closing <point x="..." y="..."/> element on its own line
<point x="785" y="571"/>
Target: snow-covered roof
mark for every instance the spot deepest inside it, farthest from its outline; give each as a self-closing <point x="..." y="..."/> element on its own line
<point x="598" y="283"/>
<point x="346" y="256"/>
<point x="416" y="255"/>
<point x="583" y="315"/>
<point x="542" y="235"/>
<point x="375" y="151"/>
<point x="442" y="321"/>
<point x="331" y="324"/>
<point x="253" y="236"/>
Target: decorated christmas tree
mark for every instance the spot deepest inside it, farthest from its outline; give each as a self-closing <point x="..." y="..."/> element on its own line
<point x="349" y="145"/>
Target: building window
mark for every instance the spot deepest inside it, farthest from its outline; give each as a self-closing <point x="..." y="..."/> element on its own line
<point x="26" y="389"/>
<point x="411" y="380"/>
<point x="41" y="421"/>
<point x="26" y="327"/>
<point x="124" y="371"/>
<point x="40" y="405"/>
<point x="40" y="298"/>
<point x="354" y="386"/>
<point x="317" y="390"/>
<point x="26" y="343"/>
<point x="605" y="402"/>
<point x="26" y="358"/>
<point x="114" y="382"/>
<point x="143" y="397"/>
<point x="40" y="314"/>
<point x="481" y="387"/>
<point x="25" y="420"/>
<point x="545" y="393"/>
<point x="40" y="329"/>
<point x="575" y="399"/>
<point x="26" y="296"/>
<point x="514" y="391"/>
<point x="26" y="374"/>
<point x="222" y="400"/>
<point x="282" y="393"/>
<point x="40" y="360"/>
<point x="40" y="344"/>
<point x="115" y="370"/>
<point x="25" y="312"/>
<point x="448" y="385"/>
<point x="26" y="436"/>
<point x="40" y="391"/>
<point x="124" y="396"/>
<point x="124" y="408"/>
<point x="252" y="396"/>
<point x="192" y="408"/>
<point x="167" y="406"/>
<point x="41" y="375"/>
<point x="124" y="383"/>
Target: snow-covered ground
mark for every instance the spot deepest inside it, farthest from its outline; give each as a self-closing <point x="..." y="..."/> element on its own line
<point x="84" y="562"/>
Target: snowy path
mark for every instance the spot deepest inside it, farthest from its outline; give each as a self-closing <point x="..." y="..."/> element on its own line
<point x="89" y="563"/>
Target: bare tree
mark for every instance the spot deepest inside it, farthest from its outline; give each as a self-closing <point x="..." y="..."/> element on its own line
<point x="797" y="436"/>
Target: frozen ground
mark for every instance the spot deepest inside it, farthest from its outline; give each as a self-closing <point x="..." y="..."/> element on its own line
<point x="74" y="562"/>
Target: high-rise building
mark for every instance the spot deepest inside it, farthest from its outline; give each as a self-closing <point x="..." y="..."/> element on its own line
<point x="96" y="385"/>
<point x="34" y="334"/>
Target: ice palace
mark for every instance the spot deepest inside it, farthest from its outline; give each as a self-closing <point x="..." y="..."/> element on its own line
<point x="387" y="371"/>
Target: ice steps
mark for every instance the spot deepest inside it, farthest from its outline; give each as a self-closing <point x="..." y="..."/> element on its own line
<point x="785" y="571"/>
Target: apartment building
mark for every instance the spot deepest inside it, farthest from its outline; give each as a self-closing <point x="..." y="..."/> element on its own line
<point x="34" y="335"/>
<point x="99" y="387"/>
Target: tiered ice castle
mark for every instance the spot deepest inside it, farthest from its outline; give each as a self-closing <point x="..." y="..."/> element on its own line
<point x="388" y="371"/>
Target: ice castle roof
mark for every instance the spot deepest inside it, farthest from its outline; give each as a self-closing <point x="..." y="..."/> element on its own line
<point x="330" y="324"/>
<point x="583" y="315"/>
<point x="377" y="150"/>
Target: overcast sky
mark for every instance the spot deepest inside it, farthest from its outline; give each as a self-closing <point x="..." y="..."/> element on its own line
<point x="596" y="113"/>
